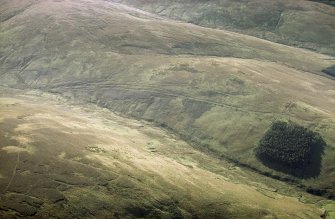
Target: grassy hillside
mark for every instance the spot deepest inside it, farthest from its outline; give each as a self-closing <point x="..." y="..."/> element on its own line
<point x="218" y="89"/>
<point x="61" y="159"/>
<point x="306" y="24"/>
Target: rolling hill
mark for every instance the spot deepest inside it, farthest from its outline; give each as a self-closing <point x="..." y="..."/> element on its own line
<point x="216" y="89"/>
<point x="306" y="24"/>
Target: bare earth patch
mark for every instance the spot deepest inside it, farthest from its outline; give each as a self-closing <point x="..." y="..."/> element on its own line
<point x="15" y="149"/>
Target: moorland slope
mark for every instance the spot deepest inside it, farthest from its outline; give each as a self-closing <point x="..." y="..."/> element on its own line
<point x="300" y="23"/>
<point x="218" y="89"/>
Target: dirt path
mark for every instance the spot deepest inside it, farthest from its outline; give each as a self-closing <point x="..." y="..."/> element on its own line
<point x="13" y="173"/>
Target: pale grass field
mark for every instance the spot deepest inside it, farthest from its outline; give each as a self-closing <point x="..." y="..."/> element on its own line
<point x="161" y="164"/>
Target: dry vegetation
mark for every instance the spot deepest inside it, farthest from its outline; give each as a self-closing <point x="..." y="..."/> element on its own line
<point x="67" y="160"/>
<point x="217" y="89"/>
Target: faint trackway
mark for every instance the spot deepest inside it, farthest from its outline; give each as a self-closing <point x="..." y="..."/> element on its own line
<point x="80" y="85"/>
<point x="151" y="89"/>
<point x="13" y="174"/>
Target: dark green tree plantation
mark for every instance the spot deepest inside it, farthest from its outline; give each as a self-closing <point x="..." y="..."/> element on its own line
<point x="288" y="144"/>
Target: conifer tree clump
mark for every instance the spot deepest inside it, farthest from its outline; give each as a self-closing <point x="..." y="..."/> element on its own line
<point x="288" y="144"/>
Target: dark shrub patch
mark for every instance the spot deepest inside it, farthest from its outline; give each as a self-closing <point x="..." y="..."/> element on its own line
<point x="331" y="70"/>
<point x="290" y="147"/>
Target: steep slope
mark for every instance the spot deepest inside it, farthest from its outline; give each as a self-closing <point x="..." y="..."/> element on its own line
<point x="218" y="89"/>
<point x="299" y="23"/>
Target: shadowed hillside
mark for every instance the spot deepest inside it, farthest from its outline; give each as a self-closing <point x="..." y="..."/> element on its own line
<point x="217" y="89"/>
<point x="300" y="23"/>
<point x="329" y="2"/>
